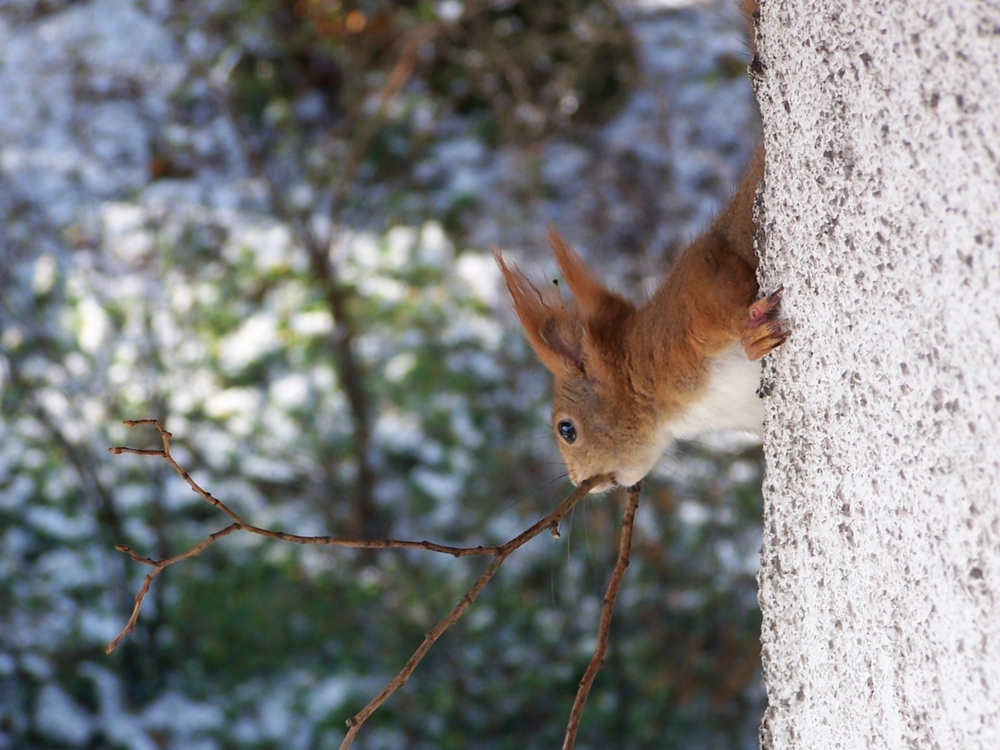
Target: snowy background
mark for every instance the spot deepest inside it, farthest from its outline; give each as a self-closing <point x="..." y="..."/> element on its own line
<point x="160" y="172"/>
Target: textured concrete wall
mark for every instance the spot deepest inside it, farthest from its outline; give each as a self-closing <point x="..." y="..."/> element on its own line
<point x="880" y="579"/>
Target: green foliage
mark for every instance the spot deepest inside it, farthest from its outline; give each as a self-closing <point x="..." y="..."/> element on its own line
<point x="210" y="316"/>
<point x="530" y="67"/>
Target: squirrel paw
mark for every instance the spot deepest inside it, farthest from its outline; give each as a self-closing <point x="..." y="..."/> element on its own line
<point x="765" y="328"/>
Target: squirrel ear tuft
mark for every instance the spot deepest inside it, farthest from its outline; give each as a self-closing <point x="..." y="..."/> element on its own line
<point x="593" y="299"/>
<point x="555" y="335"/>
<point x="586" y="290"/>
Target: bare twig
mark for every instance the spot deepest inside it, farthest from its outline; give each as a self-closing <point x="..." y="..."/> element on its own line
<point x="604" y="628"/>
<point x="326" y="540"/>
<point x="400" y="74"/>
<point x="499" y="554"/>
<point x="551" y="521"/>
<point x="158" y="567"/>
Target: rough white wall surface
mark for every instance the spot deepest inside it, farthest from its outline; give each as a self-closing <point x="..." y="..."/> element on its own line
<point x="880" y="579"/>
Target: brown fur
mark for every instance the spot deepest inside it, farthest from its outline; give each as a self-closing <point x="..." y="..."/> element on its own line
<point x="622" y="372"/>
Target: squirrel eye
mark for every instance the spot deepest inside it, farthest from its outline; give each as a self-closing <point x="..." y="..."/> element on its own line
<point x="567" y="431"/>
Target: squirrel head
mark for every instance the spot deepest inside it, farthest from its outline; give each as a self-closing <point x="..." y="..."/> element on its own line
<point x="603" y="414"/>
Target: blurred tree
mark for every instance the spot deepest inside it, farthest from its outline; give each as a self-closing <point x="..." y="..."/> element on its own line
<point x="324" y="369"/>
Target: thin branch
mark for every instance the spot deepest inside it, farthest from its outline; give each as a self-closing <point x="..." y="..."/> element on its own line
<point x="604" y="628"/>
<point x="158" y="567"/>
<point x="400" y="74"/>
<point x="498" y="553"/>
<point x="551" y="521"/>
<point x="326" y="540"/>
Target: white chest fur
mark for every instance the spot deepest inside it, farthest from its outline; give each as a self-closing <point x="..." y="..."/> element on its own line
<point x="730" y="402"/>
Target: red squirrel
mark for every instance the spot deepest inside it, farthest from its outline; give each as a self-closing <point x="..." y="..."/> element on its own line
<point x="629" y="379"/>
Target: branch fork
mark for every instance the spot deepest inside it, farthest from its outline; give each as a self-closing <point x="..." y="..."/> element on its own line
<point x="498" y="553"/>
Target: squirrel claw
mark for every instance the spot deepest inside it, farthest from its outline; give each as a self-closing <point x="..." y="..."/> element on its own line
<point x="765" y="329"/>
